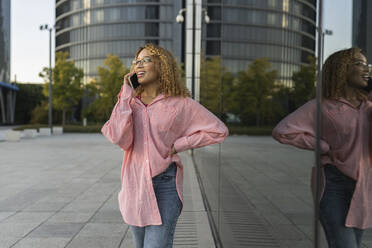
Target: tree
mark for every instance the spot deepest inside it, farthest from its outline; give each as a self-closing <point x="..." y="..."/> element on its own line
<point x="106" y="88"/>
<point x="67" y="84"/>
<point x="252" y="92"/>
<point x="304" y="83"/>
<point x="212" y="75"/>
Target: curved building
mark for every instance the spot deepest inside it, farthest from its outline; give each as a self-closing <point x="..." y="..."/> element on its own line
<point x="362" y="33"/>
<point x="281" y="30"/>
<point x="4" y="40"/>
<point x="91" y="29"/>
<point x="239" y="30"/>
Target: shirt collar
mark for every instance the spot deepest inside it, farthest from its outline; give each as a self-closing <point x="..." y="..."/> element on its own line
<point x="341" y="99"/>
<point x="157" y="98"/>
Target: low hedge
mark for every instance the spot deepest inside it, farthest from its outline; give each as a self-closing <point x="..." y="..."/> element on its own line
<point x="233" y="129"/>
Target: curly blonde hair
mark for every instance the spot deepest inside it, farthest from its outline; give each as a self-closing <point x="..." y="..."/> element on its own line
<point x="166" y="64"/>
<point x="335" y="72"/>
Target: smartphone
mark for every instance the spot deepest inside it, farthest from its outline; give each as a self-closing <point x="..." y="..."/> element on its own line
<point x="368" y="88"/>
<point x="134" y="81"/>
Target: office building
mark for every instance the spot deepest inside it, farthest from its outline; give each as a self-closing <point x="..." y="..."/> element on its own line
<point x="239" y="31"/>
<point x="362" y="28"/>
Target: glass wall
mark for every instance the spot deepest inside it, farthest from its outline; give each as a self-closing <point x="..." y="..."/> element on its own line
<point x="257" y="189"/>
<point x="4" y="40"/>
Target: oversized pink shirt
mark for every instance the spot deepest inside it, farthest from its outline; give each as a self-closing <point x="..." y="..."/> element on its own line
<point x="146" y="134"/>
<point x="345" y="143"/>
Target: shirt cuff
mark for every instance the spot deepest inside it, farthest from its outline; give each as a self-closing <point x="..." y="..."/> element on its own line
<point x="181" y="144"/>
<point x="126" y="92"/>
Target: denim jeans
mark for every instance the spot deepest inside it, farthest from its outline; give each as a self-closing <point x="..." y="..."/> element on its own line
<point x="161" y="236"/>
<point x="334" y="206"/>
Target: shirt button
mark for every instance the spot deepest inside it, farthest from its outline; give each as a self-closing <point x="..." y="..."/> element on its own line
<point x="147" y="160"/>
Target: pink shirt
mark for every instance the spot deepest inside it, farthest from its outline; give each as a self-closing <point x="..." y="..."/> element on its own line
<point x="146" y="134"/>
<point x="346" y="137"/>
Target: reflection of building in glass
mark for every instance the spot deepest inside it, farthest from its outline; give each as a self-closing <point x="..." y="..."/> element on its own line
<point x="362" y="32"/>
<point x="240" y="31"/>
<point x="90" y="29"/>
<point x="4" y="40"/>
<point x="281" y="30"/>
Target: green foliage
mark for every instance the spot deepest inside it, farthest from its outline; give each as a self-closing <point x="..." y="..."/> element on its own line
<point x="67" y="84"/>
<point x="40" y="114"/>
<point x="107" y="87"/>
<point x="251" y="96"/>
<point x="304" y="83"/>
<point x="28" y="97"/>
<point x="212" y="75"/>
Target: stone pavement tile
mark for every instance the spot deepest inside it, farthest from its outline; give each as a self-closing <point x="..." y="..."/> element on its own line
<point x="6" y="242"/>
<point x="5" y="215"/>
<point x="301" y="218"/>
<point x="42" y="242"/>
<point x="103" y="230"/>
<point x="56" y="230"/>
<point x="16" y="229"/>
<point x="107" y="216"/>
<point x="296" y="243"/>
<point x="95" y="242"/>
<point x="45" y="206"/>
<point x="23" y="199"/>
<point x="82" y="206"/>
<point x="26" y="217"/>
<point x="71" y="217"/>
<point x="286" y="232"/>
<point x="128" y="241"/>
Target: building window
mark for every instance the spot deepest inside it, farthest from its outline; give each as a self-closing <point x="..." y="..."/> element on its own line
<point x="213" y="47"/>
<point x="214" y="30"/>
<point x="272" y="3"/>
<point x="152" y="12"/>
<point x="214" y="13"/>
<point x="156" y="42"/>
<point x="63" y="39"/>
<point x="151" y="29"/>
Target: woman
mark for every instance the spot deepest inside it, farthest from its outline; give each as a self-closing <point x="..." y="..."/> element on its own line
<point x="346" y="198"/>
<point x="151" y="124"/>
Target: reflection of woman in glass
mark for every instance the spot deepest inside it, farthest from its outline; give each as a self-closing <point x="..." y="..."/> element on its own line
<point x="152" y="123"/>
<point x="346" y="149"/>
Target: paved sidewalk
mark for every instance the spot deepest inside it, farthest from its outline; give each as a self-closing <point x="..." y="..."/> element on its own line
<point x="264" y="190"/>
<point x="61" y="191"/>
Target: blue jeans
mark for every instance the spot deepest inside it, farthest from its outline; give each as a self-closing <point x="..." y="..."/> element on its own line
<point x="334" y="206"/>
<point x="161" y="236"/>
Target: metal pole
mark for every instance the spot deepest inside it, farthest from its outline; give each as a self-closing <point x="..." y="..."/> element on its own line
<point x="318" y="125"/>
<point x="50" y="81"/>
<point x="193" y="51"/>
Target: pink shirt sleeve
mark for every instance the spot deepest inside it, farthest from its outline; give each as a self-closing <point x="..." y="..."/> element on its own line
<point x="119" y="128"/>
<point x="299" y="128"/>
<point x="201" y="127"/>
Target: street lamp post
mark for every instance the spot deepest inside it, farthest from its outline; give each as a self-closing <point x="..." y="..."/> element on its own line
<point x="326" y="32"/>
<point x="193" y="43"/>
<point x="50" y="29"/>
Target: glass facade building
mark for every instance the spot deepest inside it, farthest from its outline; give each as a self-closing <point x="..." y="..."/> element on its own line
<point x="239" y="31"/>
<point x="4" y="40"/>
<point x="281" y="30"/>
<point x="362" y="32"/>
<point x="91" y="29"/>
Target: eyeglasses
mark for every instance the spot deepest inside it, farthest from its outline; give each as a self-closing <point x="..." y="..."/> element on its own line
<point x="360" y="63"/>
<point x="143" y="61"/>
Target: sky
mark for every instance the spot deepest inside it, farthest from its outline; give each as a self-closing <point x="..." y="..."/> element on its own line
<point x="30" y="46"/>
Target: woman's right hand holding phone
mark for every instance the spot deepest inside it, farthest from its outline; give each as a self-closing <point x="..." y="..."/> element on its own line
<point x="127" y="78"/>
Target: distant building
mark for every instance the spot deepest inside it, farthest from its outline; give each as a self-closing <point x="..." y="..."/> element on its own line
<point x="4" y="40"/>
<point x="362" y="26"/>
<point x="239" y="31"/>
<point x="7" y="90"/>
